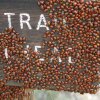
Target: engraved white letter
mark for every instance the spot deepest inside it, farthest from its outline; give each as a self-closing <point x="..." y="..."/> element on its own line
<point x="6" y="53"/>
<point x="42" y="18"/>
<point x="9" y="18"/>
<point x="25" y="21"/>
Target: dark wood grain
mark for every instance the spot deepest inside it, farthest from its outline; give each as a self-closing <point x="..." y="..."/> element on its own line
<point x="22" y="6"/>
<point x="31" y="7"/>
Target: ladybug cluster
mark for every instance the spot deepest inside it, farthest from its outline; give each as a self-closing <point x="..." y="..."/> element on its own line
<point x="13" y="42"/>
<point x="70" y="52"/>
<point x="74" y="32"/>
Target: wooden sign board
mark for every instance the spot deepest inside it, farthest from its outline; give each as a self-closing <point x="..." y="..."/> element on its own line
<point x="73" y="65"/>
<point x="24" y="16"/>
<point x="25" y="10"/>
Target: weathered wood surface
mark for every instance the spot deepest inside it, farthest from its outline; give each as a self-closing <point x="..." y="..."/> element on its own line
<point x="22" y="6"/>
<point x="34" y="37"/>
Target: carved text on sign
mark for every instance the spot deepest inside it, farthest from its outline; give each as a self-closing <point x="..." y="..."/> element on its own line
<point x="27" y="21"/>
